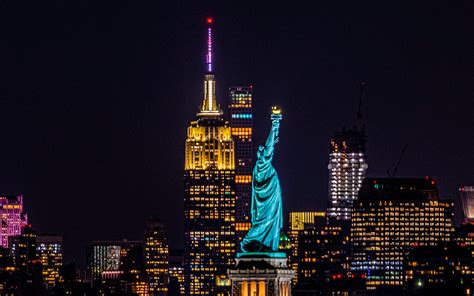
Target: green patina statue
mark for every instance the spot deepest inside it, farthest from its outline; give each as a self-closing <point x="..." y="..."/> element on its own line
<point x="266" y="209"/>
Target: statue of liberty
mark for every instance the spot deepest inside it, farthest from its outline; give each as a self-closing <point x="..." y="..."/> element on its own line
<point x="266" y="207"/>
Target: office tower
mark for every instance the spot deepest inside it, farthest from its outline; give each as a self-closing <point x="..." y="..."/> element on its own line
<point x="9" y="280"/>
<point x="176" y="273"/>
<point x="467" y="198"/>
<point x="444" y="269"/>
<point x="299" y="221"/>
<point x="107" y="256"/>
<point x="347" y="167"/>
<point x="156" y="257"/>
<point x="320" y="257"/>
<point x="390" y="217"/>
<point x="240" y="109"/>
<point x="209" y="195"/>
<point x="23" y="252"/>
<point x="12" y="216"/>
<point x="49" y="250"/>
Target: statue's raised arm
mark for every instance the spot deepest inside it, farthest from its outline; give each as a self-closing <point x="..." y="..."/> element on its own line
<point x="266" y="208"/>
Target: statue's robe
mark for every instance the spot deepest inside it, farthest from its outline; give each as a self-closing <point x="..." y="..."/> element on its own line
<point x="266" y="209"/>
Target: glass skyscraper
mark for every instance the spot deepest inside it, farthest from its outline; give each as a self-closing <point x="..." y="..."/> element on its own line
<point x="240" y="109"/>
<point x="209" y="195"/>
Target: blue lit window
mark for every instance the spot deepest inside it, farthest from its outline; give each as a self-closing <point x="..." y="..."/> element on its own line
<point x="242" y="116"/>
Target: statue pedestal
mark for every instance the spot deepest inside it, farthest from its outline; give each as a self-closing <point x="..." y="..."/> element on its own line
<point x="261" y="274"/>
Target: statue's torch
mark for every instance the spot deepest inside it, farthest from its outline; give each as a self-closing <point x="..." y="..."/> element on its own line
<point x="276" y="117"/>
<point x="276" y="113"/>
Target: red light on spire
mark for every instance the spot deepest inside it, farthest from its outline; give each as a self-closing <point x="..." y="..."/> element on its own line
<point x="210" y="20"/>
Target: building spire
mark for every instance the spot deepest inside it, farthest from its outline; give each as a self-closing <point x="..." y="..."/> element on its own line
<point x="209" y="45"/>
<point x="209" y="106"/>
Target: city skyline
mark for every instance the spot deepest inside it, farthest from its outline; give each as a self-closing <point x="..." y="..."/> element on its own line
<point x="52" y="123"/>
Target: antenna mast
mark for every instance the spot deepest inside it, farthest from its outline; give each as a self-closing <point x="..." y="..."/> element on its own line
<point x="209" y="21"/>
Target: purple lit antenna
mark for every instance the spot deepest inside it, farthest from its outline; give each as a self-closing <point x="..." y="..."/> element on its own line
<point x="209" y="45"/>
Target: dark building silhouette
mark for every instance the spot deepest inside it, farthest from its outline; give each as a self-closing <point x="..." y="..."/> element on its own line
<point x="444" y="269"/>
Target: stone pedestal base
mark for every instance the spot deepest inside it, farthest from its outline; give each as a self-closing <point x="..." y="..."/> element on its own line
<point x="261" y="274"/>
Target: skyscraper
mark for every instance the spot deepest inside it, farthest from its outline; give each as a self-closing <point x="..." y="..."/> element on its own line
<point x="49" y="249"/>
<point x="23" y="251"/>
<point x="467" y="197"/>
<point x="156" y="257"/>
<point x="209" y="195"/>
<point x="320" y="256"/>
<point x="12" y="216"/>
<point x="391" y="217"/>
<point x="240" y="109"/>
<point x="347" y="166"/>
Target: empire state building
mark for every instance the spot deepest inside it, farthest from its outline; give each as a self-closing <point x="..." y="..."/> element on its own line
<point x="209" y="194"/>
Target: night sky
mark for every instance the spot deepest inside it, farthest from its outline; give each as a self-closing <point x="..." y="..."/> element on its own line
<point x="95" y="99"/>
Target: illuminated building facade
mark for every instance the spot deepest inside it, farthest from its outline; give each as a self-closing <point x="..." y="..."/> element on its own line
<point x="467" y="198"/>
<point x="298" y="222"/>
<point x="347" y="167"/>
<point x="390" y="217"/>
<point x="156" y="257"/>
<point x="107" y="256"/>
<point x="12" y="217"/>
<point x="209" y="195"/>
<point x="49" y="249"/>
<point x="240" y="109"/>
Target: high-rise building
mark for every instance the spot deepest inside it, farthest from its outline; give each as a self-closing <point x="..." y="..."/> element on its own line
<point x="320" y="256"/>
<point x="209" y="195"/>
<point x="49" y="250"/>
<point x="391" y="217"/>
<point x="107" y="256"/>
<point x="467" y="198"/>
<point x="156" y="257"/>
<point x="9" y="279"/>
<point x="23" y="252"/>
<point x="240" y="109"/>
<point x="13" y="217"/>
<point x="299" y="221"/>
<point x="347" y="167"/>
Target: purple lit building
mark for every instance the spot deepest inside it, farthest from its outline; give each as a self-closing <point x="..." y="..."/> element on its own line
<point x="12" y="216"/>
